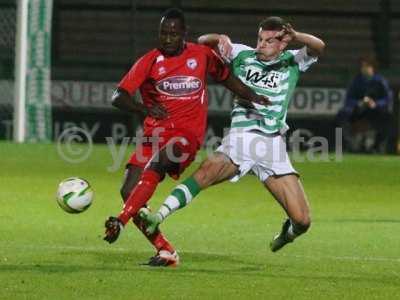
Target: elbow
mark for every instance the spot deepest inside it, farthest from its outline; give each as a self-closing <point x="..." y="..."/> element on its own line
<point x="115" y="99"/>
<point x="321" y="48"/>
<point x="210" y="39"/>
<point x="119" y="97"/>
<point x="114" y="104"/>
<point x="201" y="39"/>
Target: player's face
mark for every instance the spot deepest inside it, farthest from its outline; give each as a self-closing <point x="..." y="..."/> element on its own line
<point x="171" y="36"/>
<point x="269" y="47"/>
<point x="366" y="69"/>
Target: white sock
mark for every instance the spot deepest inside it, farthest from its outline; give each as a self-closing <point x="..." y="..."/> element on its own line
<point x="181" y="196"/>
<point x="170" y="205"/>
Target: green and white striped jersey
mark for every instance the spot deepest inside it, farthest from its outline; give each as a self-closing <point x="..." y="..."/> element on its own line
<point x="275" y="79"/>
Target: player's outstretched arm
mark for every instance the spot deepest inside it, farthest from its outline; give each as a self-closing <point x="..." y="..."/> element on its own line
<point x="209" y="39"/>
<point x="123" y="101"/>
<point x="246" y="94"/>
<point x="219" y="42"/>
<point x="315" y="46"/>
<point x="232" y="83"/>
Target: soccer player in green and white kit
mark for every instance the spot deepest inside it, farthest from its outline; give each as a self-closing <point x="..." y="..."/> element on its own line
<point x="255" y="141"/>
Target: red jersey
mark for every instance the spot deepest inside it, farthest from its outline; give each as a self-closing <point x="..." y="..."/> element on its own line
<point x="179" y="84"/>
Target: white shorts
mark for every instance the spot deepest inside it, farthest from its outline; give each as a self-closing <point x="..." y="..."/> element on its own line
<point x="264" y="156"/>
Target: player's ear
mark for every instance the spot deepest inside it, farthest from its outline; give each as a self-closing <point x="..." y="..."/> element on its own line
<point x="185" y="32"/>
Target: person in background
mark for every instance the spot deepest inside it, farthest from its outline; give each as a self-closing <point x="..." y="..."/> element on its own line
<point x="367" y="106"/>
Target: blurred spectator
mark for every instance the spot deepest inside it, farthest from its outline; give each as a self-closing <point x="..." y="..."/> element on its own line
<point x="366" y="117"/>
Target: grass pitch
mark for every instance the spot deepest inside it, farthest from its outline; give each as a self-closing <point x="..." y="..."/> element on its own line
<point x="352" y="250"/>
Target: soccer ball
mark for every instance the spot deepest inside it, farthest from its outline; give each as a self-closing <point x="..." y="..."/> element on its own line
<point x="74" y="195"/>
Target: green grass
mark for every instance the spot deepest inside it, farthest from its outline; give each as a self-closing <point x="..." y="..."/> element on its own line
<point x="351" y="252"/>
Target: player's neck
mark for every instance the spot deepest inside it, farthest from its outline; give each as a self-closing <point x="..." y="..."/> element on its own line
<point x="262" y="57"/>
<point x="176" y="53"/>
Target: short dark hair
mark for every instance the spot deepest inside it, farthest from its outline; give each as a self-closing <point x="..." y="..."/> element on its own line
<point x="174" y="13"/>
<point x="272" y="23"/>
<point x="370" y="60"/>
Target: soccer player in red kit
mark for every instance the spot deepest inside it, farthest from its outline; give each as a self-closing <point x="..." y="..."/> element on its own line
<point x="172" y="82"/>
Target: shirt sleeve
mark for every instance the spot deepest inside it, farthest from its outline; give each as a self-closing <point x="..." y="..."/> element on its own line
<point x="352" y="97"/>
<point x="302" y="58"/>
<point x="236" y="49"/>
<point x="386" y="99"/>
<point x="136" y="75"/>
<point x="216" y="66"/>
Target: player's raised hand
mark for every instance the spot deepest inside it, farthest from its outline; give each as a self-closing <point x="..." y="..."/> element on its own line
<point x="224" y="45"/>
<point x="287" y="34"/>
<point x="157" y="111"/>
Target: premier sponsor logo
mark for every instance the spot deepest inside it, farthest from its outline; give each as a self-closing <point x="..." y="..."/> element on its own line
<point x="179" y="85"/>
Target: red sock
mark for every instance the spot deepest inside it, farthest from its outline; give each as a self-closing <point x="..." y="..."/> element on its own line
<point x="160" y="242"/>
<point x="140" y="195"/>
<point x="157" y="239"/>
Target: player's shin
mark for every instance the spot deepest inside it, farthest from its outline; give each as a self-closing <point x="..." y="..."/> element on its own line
<point x="181" y="196"/>
<point x="140" y="195"/>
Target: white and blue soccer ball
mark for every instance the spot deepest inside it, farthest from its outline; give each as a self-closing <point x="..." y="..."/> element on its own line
<point x="74" y="195"/>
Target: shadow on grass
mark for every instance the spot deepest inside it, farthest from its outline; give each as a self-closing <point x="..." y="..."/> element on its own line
<point x="194" y="264"/>
<point x="50" y="268"/>
<point x="89" y="261"/>
<point x="200" y="263"/>
<point x="359" y="221"/>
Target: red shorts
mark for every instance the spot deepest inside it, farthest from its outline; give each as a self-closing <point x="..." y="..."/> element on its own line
<point x="186" y="141"/>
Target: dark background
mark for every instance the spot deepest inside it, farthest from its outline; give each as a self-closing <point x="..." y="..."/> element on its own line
<point x="98" y="40"/>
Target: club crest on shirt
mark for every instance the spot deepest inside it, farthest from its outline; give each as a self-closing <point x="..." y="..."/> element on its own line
<point x="160" y="58"/>
<point x="161" y="71"/>
<point x="191" y="63"/>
